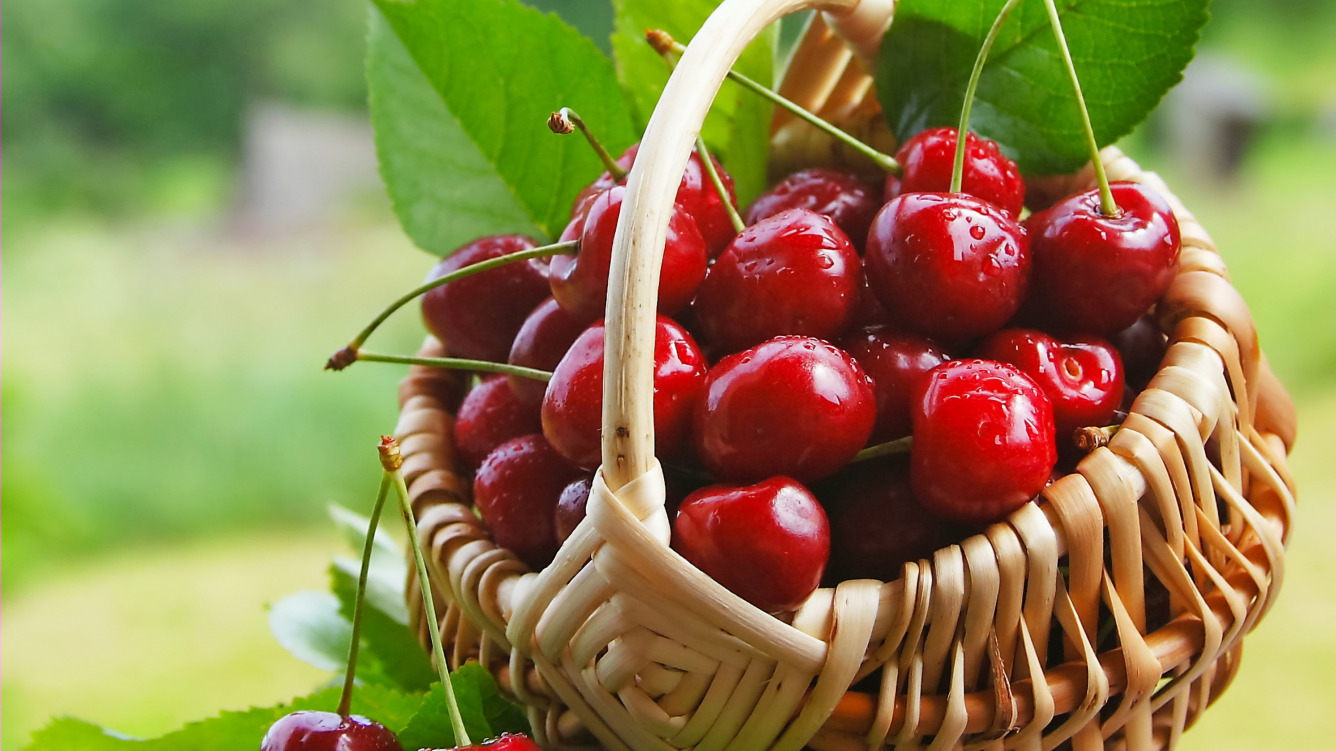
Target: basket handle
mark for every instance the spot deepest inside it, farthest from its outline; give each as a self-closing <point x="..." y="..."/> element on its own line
<point x="651" y="188"/>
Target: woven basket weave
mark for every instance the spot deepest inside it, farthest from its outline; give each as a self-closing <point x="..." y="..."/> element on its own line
<point x="621" y="643"/>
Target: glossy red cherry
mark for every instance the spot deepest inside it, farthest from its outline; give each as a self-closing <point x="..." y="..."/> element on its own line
<point x="897" y="363"/>
<point x="580" y="282"/>
<point x="876" y="526"/>
<point x="503" y="742"/>
<point x="929" y="157"/>
<point x="768" y="543"/>
<point x="477" y="317"/>
<point x="1098" y="274"/>
<point x="1082" y="377"/>
<point x="540" y="344"/>
<point x="947" y="265"/>
<point x="571" y="506"/>
<point x="696" y="194"/>
<point x="310" y="730"/>
<point x="573" y="405"/>
<point x="792" y="406"/>
<point x="1141" y="346"/>
<point x="792" y="273"/>
<point x="983" y="441"/>
<point x="848" y="200"/>
<point x="489" y="416"/>
<point x="516" y="491"/>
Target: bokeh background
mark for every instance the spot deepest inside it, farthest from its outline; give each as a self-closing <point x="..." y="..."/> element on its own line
<point x="193" y="221"/>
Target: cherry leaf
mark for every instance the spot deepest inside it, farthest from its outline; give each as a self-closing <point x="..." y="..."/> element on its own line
<point x="1128" y="54"/>
<point x="460" y="92"/>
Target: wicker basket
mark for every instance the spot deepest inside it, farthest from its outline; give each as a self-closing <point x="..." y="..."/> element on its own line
<point x="991" y="644"/>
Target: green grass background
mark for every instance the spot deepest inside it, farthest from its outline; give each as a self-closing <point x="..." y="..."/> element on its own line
<point x="170" y="440"/>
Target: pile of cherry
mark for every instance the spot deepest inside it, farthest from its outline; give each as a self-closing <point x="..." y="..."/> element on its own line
<point x="791" y="358"/>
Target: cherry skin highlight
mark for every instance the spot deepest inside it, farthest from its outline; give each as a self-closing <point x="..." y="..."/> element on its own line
<point x="929" y="158"/>
<point x="792" y="406"/>
<point x="477" y="317"/>
<point x="540" y="344"/>
<point x="1082" y="377"/>
<point x="580" y="282"/>
<point x="983" y="441"/>
<point x="573" y="405"/>
<point x="848" y="200"/>
<point x="516" y="491"/>
<point x="897" y="363"/>
<point x="489" y="416"/>
<point x="1096" y="274"/>
<point x="571" y="506"/>
<point x="947" y="265"/>
<point x="311" y="730"/>
<point x="768" y="543"/>
<point x="792" y="273"/>
<point x="503" y="742"/>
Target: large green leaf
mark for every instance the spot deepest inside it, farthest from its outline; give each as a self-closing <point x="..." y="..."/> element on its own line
<point x="391" y="644"/>
<point x="486" y="713"/>
<point x="460" y="92"/>
<point x="738" y="127"/>
<point x="1128" y="54"/>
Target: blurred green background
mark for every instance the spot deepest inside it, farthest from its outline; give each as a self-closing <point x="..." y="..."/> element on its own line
<point x="170" y="441"/>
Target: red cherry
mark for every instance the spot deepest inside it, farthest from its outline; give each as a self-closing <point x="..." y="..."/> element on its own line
<point x="1083" y="377"/>
<point x="793" y="406"/>
<point x="1141" y="347"/>
<point x="571" y="506"/>
<point x="791" y="273"/>
<point x="929" y="157"/>
<point x="489" y="416"/>
<point x="516" y="491"/>
<point x="897" y="364"/>
<point x="477" y="317"/>
<point x="696" y="194"/>
<point x="947" y="265"/>
<point x="310" y="730"/>
<point x="1098" y="274"/>
<point x="540" y="344"/>
<point x="875" y="523"/>
<point x="503" y="742"/>
<point x="983" y="441"/>
<point x="868" y="310"/>
<point x="580" y="282"/>
<point x="573" y="405"/>
<point x="768" y="543"/>
<point x="848" y="200"/>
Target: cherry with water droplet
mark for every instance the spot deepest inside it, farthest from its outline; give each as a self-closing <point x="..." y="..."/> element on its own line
<point x="312" y="730"/>
<point x="928" y="158"/>
<point x="848" y="200"/>
<point x="489" y="416"/>
<point x="516" y="491"/>
<point x="540" y="344"/>
<point x="1082" y="377"/>
<point x="896" y="362"/>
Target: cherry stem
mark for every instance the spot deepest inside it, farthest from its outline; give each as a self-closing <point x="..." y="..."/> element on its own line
<point x="348" y="355"/>
<point x="1090" y="438"/>
<point x="708" y="163"/>
<point x="1107" y="205"/>
<point x="565" y="120"/>
<point x="958" y="170"/>
<point x="898" y="446"/>
<point x="663" y="42"/>
<point x="392" y="461"/>
<point x="346" y="698"/>
<point x="460" y="363"/>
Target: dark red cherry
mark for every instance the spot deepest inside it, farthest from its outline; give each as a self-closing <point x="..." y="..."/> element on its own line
<point x="516" y="491"/>
<point x="580" y="282"/>
<point x="571" y="506"/>
<point x="896" y="363"/>
<point x="696" y="194"/>
<point x="875" y="523"/>
<point x="868" y="310"/>
<point x="849" y="200"/>
<point x="1098" y="274"/>
<point x="489" y="416"/>
<point x="1082" y="377"/>
<point x="477" y="317"/>
<point x="792" y="406"/>
<point x="792" y="273"/>
<point x="503" y="742"/>
<point x="768" y="543"/>
<point x="983" y="441"/>
<point x="928" y="159"/>
<point x="540" y="344"/>
<point x="310" y="730"/>
<point x="573" y="405"/>
<point x="947" y="265"/>
<point x="1141" y="347"/>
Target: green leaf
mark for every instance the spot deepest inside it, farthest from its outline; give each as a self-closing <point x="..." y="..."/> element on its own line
<point x="1128" y="54"/>
<point x="388" y="571"/>
<point x="308" y="624"/>
<point x="486" y="713"/>
<point x="738" y="126"/>
<point x="390" y="643"/>
<point x="68" y="733"/>
<point x="478" y="158"/>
